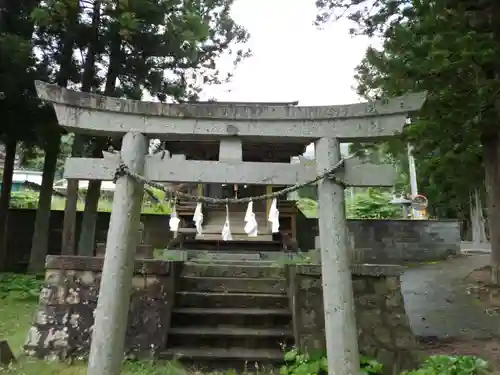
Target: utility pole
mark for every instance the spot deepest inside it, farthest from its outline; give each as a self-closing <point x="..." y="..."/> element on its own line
<point x="413" y="172"/>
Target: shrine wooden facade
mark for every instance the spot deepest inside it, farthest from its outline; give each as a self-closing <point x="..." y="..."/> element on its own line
<point x="214" y="216"/>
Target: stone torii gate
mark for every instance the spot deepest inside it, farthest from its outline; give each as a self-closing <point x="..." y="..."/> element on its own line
<point x="232" y="125"/>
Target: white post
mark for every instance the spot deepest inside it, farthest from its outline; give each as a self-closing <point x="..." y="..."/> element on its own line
<point x="413" y="172"/>
<point x="108" y="338"/>
<point x="477" y="218"/>
<point x="340" y="322"/>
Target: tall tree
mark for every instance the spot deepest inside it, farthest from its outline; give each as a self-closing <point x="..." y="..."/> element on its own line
<point x="452" y="50"/>
<point x="18" y="105"/>
<point x="41" y="234"/>
<point x="93" y="51"/>
<point x="60" y="26"/>
<point x="163" y="48"/>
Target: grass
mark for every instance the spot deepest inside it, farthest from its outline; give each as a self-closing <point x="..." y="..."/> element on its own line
<point x="16" y="315"/>
<point x="15" y="319"/>
<point x="29" y="367"/>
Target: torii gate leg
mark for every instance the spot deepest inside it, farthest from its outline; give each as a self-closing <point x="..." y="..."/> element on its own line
<point x="108" y="337"/>
<point x="340" y="323"/>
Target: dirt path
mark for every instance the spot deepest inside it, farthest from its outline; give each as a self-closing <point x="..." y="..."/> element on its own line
<point x="443" y="314"/>
<point x="438" y="304"/>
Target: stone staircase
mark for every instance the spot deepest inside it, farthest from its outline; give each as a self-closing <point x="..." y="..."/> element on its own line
<point x="230" y="312"/>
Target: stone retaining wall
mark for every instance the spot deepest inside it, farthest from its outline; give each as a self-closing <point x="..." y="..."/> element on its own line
<point x="63" y="325"/>
<point x="398" y="241"/>
<point x="382" y="324"/>
<point x="372" y="241"/>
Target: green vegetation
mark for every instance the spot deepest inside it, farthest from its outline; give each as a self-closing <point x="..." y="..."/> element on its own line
<point x="373" y="205"/>
<point x="370" y="205"/>
<point x="451" y="50"/>
<point x="297" y="363"/>
<point x="28" y="199"/>
<point x="18" y="302"/>
<point x="116" y="48"/>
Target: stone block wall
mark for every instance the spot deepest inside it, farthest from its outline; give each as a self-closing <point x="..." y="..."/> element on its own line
<point x="63" y="325"/>
<point x="382" y="324"/>
<point x="401" y="241"/>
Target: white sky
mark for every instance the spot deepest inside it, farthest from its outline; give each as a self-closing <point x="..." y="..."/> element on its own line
<point x="292" y="59"/>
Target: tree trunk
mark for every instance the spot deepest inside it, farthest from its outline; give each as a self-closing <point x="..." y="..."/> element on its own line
<point x="8" y="171"/>
<point x="40" y="242"/>
<point x="491" y="147"/>
<point x="87" y="233"/>
<point x="70" y="210"/>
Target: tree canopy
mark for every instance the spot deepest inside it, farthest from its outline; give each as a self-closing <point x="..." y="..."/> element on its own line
<point x="452" y="51"/>
<point x="167" y="49"/>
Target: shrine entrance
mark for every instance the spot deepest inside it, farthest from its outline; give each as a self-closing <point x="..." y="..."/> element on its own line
<point x="228" y="144"/>
<point x="215" y="216"/>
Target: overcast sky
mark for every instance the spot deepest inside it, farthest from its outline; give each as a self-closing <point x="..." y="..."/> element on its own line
<point x="292" y="59"/>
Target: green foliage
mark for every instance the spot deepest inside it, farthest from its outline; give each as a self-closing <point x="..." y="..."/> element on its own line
<point x="308" y="207"/>
<point x="373" y="205"/>
<point x="20" y="287"/>
<point x="450" y="50"/>
<point x="156" y="201"/>
<point x="297" y="363"/>
<point x="28" y="199"/>
<point x="18" y="105"/>
<point x="451" y="365"/>
<point x="24" y="199"/>
<point x="370" y="205"/>
<point x="33" y="156"/>
<point x="167" y="48"/>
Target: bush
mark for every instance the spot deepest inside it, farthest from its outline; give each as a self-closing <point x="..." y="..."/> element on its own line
<point x="297" y="363"/>
<point x="24" y="199"/>
<point x="20" y="287"/>
<point x="373" y="205"/>
<point x="451" y="365"/>
<point x="304" y="364"/>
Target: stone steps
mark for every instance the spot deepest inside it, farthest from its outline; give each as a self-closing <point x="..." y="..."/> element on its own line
<point x="230" y="331"/>
<point x="230" y="312"/>
<point x="193" y="311"/>
<point x="238" y="269"/>
<point x="231" y="300"/>
<point x="217" y="244"/>
<point x="232" y="284"/>
<point x="240" y="354"/>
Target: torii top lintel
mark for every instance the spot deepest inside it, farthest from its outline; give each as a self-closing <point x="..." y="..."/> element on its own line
<point x="100" y="115"/>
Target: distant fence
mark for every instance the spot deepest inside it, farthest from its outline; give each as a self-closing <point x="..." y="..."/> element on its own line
<point x="21" y="224"/>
